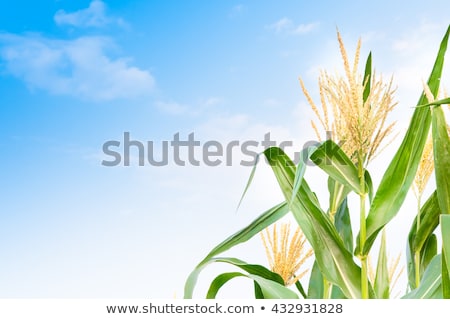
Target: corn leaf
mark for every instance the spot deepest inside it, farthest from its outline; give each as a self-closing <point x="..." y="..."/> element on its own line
<point x="219" y="281"/>
<point x="268" y="288"/>
<point x="429" y="220"/>
<point x="369" y="184"/>
<point x="249" y="182"/>
<point x="437" y="102"/>
<point x="334" y="260"/>
<point x="315" y="287"/>
<point x="431" y="283"/>
<point x="301" y="168"/>
<point x="428" y="252"/>
<point x="332" y="159"/>
<point x="262" y="222"/>
<point x="300" y="289"/>
<point x="445" y="279"/>
<point x="418" y="239"/>
<point x="400" y="174"/>
<point x="270" y="283"/>
<point x="381" y="285"/>
<point x="367" y="77"/>
<point x="445" y="230"/>
<point x="272" y="289"/>
<point x="441" y="151"/>
<point x="344" y="225"/>
<point x="338" y="193"/>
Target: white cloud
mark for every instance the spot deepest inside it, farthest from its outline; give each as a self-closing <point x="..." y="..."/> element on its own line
<point x="287" y="26"/>
<point x="93" y="16"/>
<point x="213" y="101"/>
<point x="305" y="28"/>
<point x="79" y="67"/>
<point x="237" y="10"/>
<point x="173" y="108"/>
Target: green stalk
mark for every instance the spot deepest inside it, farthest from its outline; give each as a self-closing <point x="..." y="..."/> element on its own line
<point x="327" y="286"/>
<point x="326" y="289"/>
<point x="362" y="231"/>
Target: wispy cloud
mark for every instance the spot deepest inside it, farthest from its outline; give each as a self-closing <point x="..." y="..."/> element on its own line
<point x="79" y="67"/>
<point x="287" y="26"/>
<point x="93" y="16"/>
<point x="172" y="107"/>
<point x="237" y="10"/>
<point x="198" y="108"/>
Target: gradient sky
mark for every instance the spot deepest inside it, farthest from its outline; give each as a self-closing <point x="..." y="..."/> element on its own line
<point x="75" y="74"/>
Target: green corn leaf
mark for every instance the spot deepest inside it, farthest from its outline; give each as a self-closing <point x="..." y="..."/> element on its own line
<point x="400" y="174"/>
<point x="315" y="287"/>
<point x="269" y="289"/>
<point x="219" y="281"/>
<point x="258" y="292"/>
<point x="445" y="278"/>
<point x="336" y="293"/>
<point x="429" y="220"/>
<point x="250" y="180"/>
<point x="367" y="77"/>
<point x="338" y="193"/>
<point x="437" y="102"/>
<point x="301" y="168"/>
<point x="431" y="283"/>
<point x="369" y="184"/>
<point x="262" y="222"/>
<point x="441" y="151"/>
<point x="270" y="283"/>
<point x="272" y="289"/>
<point x="428" y="252"/>
<point x="300" y="289"/>
<point x="418" y="238"/>
<point x="445" y="230"/>
<point x="334" y="260"/>
<point x="344" y="226"/>
<point x="332" y="159"/>
<point x="381" y="285"/>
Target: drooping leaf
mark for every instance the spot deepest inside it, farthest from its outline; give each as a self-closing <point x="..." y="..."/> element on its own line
<point x="250" y="180"/>
<point x="270" y="283"/>
<point x="400" y="174"/>
<point x="334" y="260"/>
<point x="332" y="159"/>
<point x="272" y="289"/>
<point x="219" y="281"/>
<point x="262" y="222"/>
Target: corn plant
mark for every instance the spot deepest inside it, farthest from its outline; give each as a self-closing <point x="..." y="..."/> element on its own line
<point x="355" y="109"/>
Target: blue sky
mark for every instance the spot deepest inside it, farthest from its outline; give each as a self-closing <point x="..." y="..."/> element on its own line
<point x="75" y="74"/>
